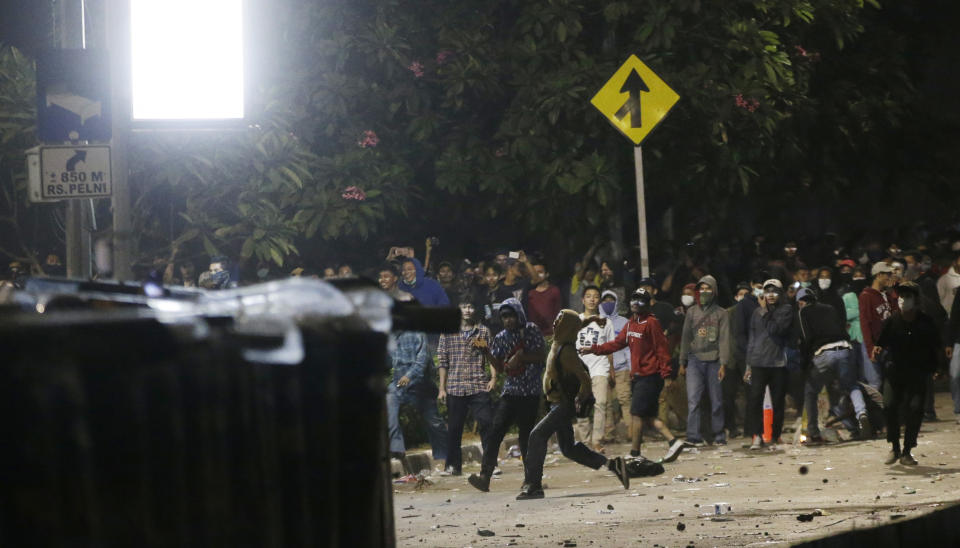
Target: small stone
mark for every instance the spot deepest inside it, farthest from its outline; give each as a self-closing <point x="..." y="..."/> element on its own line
<point x="660" y="497"/>
<point x="485" y="533"/>
<point x="609" y="507"/>
<point x="804" y="470"/>
<point x="520" y="525"/>
<point x="681" y="526"/>
<point x="825" y="480"/>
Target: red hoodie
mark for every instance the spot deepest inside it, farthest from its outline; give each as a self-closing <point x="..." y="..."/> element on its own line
<point x="648" y="346"/>
<point x="875" y="307"/>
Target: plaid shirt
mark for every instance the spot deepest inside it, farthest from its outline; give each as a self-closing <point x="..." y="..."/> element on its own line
<point x="466" y="374"/>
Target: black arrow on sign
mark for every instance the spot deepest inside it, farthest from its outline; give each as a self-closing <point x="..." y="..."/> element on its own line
<point x="634" y="86"/>
<point x="78" y="156"/>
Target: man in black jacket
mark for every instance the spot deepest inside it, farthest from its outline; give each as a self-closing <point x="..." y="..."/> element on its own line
<point x="825" y="346"/>
<point x="912" y="338"/>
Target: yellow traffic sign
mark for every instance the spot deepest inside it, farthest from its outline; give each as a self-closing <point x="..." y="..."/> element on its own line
<point x="635" y="99"/>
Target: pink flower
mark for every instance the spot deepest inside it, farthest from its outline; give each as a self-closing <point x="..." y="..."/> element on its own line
<point x="416" y="68"/>
<point x="442" y="56"/>
<point x="801" y="51"/>
<point x="750" y="105"/>
<point x="369" y="139"/>
<point x="354" y="193"/>
<point x="500" y="152"/>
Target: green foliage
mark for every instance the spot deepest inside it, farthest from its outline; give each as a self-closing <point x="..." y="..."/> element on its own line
<point x="17" y="133"/>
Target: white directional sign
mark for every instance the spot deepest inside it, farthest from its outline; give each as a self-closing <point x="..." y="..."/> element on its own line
<point x="75" y="172"/>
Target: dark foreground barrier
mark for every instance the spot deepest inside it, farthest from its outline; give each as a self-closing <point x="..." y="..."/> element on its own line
<point x="122" y="428"/>
<point x="937" y="528"/>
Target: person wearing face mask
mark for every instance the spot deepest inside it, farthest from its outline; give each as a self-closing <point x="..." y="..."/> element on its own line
<point x="914" y="343"/>
<point x="770" y="328"/>
<point x="688" y="296"/>
<point x="650" y="371"/>
<point x="827" y="292"/>
<point x="704" y="355"/>
<point x="621" y="364"/>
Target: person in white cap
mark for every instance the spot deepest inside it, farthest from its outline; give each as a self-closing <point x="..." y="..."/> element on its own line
<point x="770" y="327"/>
<point x="875" y="307"/>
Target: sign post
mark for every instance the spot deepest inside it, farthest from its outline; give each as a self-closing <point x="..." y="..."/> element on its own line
<point x="635" y="100"/>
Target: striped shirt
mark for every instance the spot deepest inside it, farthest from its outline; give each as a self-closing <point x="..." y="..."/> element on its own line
<point x="466" y="374"/>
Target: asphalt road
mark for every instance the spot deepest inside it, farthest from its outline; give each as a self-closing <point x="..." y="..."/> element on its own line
<point x="847" y="482"/>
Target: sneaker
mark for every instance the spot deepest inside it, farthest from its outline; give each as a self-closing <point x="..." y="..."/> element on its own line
<point x="676" y="447"/>
<point x="930" y="417"/>
<point x="907" y="460"/>
<point x="529" y="492"/>
<point x="496" y="471"/>
<point x="892" y="457"/>
<point x="619" y="468"/>
<point x="866" y="429"/>
<point x="634" y="453"/>
<point x="450" y="471"/>
<point x="694" y="443"/>
<point x="480" y="481"/>
<point x="757" y="443"/>
<point x="720" y="442"/>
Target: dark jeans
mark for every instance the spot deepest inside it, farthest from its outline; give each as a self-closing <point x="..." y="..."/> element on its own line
<point x="457" y="406"/>
<point x="760" y="379"/>
<point x="558" y="419"/>
<point x="521" y="410"/>
<point x="904" y="395"/>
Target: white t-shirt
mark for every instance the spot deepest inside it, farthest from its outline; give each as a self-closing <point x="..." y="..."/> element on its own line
<point x="590" y="335"/>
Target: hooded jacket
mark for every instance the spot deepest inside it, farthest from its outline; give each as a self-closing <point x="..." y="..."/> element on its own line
<point x="706" y="330"/>
<point x="427" y="291"/>
<point x="526" y="338"/>
<point x="566" y="376"/>
<point x="648" y="346"/>
<point x="770" y="330"/>
<point x="621" y="358"/>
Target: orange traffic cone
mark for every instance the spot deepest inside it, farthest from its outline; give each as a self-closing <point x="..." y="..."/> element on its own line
<point x="767" y="416"/>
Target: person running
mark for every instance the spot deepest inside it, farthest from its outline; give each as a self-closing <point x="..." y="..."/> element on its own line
<point x="650" y="369"/>
<point x="567" y="386"/>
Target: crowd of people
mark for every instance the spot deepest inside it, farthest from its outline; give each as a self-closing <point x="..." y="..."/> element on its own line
<point x="726" y="326"/>
<point x="871" y="327"/>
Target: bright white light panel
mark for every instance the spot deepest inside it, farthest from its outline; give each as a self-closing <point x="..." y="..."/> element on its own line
<point x="187" y="59"/>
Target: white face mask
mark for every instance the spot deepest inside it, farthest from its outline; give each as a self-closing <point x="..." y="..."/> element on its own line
<point x="757" y="292"/>
<point x="687" y="300"/>
<point x="906" y="304"/>
<point x="824" y="283"/>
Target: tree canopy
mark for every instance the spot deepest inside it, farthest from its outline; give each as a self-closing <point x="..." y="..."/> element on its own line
<point x="384" y="119"/>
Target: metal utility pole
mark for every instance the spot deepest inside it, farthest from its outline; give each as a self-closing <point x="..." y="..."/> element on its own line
<point x="118" y="40"/>
<point x="641" y="212"/>
<point x="70" y="32"/>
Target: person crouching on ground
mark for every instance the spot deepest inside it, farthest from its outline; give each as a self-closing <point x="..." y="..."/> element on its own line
<point x="649" y="366"/>
<point x="914" y="341"/>
<point x="567" y="387"/>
